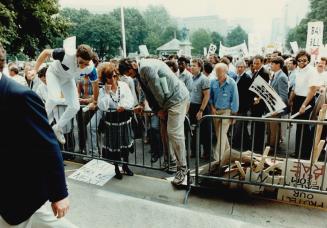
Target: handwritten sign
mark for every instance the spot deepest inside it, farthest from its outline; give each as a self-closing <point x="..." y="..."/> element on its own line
<point x="267" y="94"/>
<point x="94" y="172"/>
<point x="240" y="50"/>
<point x="302" y="198"/>
<point x="314" y="37"/>
<point x="302" y="174"/>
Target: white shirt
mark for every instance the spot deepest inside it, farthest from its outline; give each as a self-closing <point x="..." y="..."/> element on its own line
<point x="19" y="79"/>
<point x="131" y="85"/>
<point x="125" y="98"/>
<point x="42" y="91"/>
<point x="0" y="75"/>
<point x="323" y="78"/>
<point x="304" y="79"/>
<point x="73" y="71"/>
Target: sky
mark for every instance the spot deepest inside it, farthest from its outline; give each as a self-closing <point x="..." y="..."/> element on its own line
<point x="262" y="12"/>
<point x="258" y="9"/>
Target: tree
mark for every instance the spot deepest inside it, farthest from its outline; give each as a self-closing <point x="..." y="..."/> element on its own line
<point x="30" y="25"/>
<point x="216" y="39"/>
<point x="236" y="37"/>
<point x="160" y="27"/>
<point x="318" y="12"/>
<point x="200" y="39"/>
<point x="135" y="27"/>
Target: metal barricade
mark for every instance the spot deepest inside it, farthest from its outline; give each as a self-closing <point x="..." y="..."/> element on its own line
<point x="271" y="168"/>
<point x="90" y="137"/>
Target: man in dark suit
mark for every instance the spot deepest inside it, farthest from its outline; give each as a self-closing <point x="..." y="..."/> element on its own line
<point x="241" y="137"/>
<point x="32" y="167"/>
<point x="258" y="106"/>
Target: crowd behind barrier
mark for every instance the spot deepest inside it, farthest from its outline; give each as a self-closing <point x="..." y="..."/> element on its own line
<point x="225" y="116"/>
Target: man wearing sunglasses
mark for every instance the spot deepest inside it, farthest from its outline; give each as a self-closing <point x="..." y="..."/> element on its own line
<point x="306" y="85"/>
<point x="61" y="81"/>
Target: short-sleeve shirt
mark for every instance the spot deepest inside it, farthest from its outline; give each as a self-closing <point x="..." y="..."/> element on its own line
<point x="304" y="79"/>
<point x="65" y="64"/>
<point x="200" y="83"/>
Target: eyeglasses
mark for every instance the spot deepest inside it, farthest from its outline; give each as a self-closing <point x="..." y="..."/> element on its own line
<point x="302" y="60"/>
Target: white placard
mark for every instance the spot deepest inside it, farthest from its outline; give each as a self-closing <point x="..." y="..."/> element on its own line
<point x="96" y="172"/>
<point x="267" y="94"/>
<point x="314" y="37"/>
<point x="302" y="198"/>
<point x="240" y="50"/>
<point x="70" y="45"/>
<point x="294" y="46"/>
<point x="144" y="51"/>
<point x="212" y="49"/>
<point x="301" y="174"/>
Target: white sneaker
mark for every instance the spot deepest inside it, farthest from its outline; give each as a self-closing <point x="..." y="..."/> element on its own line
<point x="58" y="132"/>
<point x="180" y="176"/>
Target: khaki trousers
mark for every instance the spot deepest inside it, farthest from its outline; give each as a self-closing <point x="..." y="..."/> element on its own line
<point x="221" y="128"/>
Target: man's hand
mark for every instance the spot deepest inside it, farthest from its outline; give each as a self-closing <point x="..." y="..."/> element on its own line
<point x="120" y="109"/>
<point x="92" y="106"/>
<point x="213" y="111"/>
<point x="84" y="101"/>
<point x="256" y="100"/>
<point x="162" y="114"/>
<point x="302" y="109"/>
<point x="30" y="74"/>
<point x="139" y="109"/>
<point x="60" y="208"/>
<point x="199" y="115"/>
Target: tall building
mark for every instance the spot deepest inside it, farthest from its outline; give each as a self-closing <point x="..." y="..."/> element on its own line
<point x="210" y="23"/>
<point x="245" y="23"/>
<point x="295" y="11"/>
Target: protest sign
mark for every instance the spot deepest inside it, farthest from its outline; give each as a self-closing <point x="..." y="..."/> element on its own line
<point x="267" y="94"/>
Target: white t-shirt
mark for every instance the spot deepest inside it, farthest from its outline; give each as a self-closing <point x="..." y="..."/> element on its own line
<point x="323" y="78"/>
<point x="65" y="66"/>
<point x="305" y="78"/>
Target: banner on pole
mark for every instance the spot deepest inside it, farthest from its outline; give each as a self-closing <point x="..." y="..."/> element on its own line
<point x="294" y="46"/>
<point x="314" y="37"/>
<point x="272" y="100"/>
<point x="240" y="50"/>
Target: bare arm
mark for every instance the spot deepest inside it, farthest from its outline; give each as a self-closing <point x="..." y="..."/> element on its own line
<point x="206" y="96"/>
<point x="45" y="54"/>
<point x="311" y="94"/>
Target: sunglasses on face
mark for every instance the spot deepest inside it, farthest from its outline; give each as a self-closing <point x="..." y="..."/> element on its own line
<point x="302" y="60"/>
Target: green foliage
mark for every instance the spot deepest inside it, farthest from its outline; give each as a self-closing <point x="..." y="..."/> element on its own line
<point x="318" y="12"/>
<point x="30" y="25"/>
<point x="135" y="28"/>
<point x="236" y="37"/>
<point x="200" y="38"/>
<point x="216" y="39"/>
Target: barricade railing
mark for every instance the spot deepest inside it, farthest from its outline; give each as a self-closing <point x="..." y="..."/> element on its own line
<point x="267" y="165"/>
<point x="87" y="137"/>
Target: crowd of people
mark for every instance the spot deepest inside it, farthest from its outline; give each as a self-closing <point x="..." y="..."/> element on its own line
<point x="160" y="91"/>
<point x="172" y="88"/>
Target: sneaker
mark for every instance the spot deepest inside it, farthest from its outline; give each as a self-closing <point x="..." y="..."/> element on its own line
<point x="58" y="132"/>
<point x="180" y="176"/>
<point x="171" y="167"/>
